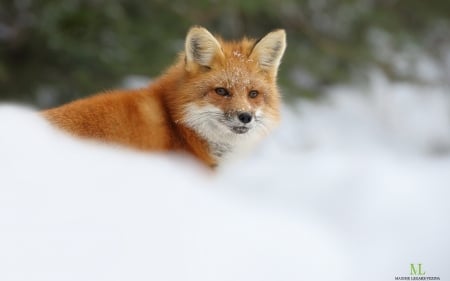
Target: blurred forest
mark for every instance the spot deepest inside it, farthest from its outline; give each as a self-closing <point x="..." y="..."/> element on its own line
<point x="53" y="51"/>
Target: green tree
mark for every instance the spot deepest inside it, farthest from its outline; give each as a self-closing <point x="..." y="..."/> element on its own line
<point x="68" y="49"/>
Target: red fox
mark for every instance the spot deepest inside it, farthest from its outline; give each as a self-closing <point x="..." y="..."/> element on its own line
<point x="217" y="99"/>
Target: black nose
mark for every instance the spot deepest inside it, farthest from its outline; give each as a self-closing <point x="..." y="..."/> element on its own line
<point x="245" y="117"/>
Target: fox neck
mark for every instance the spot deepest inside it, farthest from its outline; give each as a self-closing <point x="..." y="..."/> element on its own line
<point x="222" y="144"/>
<point x="216" y="148"/>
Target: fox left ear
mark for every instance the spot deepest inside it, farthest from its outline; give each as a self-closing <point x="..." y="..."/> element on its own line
<point x="269" y="50"/>
<point x="201" y="47"/>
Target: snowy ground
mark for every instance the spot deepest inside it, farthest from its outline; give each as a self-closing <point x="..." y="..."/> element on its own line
<point x="355" y="187"/>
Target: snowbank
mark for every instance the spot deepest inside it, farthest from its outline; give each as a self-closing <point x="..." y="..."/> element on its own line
<point x="355" y="187"/>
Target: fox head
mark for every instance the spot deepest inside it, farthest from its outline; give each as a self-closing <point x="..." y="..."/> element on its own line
<point x="232" y="96"/>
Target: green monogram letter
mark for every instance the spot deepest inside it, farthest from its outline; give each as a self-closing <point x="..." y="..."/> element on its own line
<point x="413" y="270"/>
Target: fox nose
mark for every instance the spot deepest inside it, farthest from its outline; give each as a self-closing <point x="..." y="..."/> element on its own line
<point x="245" y="117"/>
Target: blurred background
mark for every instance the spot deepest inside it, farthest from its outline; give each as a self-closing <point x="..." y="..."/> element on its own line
<point x="54" y="51"/>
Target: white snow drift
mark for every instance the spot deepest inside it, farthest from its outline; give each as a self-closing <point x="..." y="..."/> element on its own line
<point x="355" y="187"/>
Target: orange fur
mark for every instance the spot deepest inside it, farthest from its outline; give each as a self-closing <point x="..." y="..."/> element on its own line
<point x="156" y="118"/>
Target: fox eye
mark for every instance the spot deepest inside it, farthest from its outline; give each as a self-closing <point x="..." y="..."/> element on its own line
<point x="253" y="94"/>
<point x="222" y="92"/>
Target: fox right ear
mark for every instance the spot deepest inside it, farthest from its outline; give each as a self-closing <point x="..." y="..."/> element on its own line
<point x="201" y="47"/>
<point x="269" y="50"/>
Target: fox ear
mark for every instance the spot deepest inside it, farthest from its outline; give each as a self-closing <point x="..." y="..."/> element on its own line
<point x="269" y="50"/>
<point x="201" y="47"/>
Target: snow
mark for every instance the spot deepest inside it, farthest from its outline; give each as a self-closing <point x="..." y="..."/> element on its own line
<point x="353" y="187"/>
